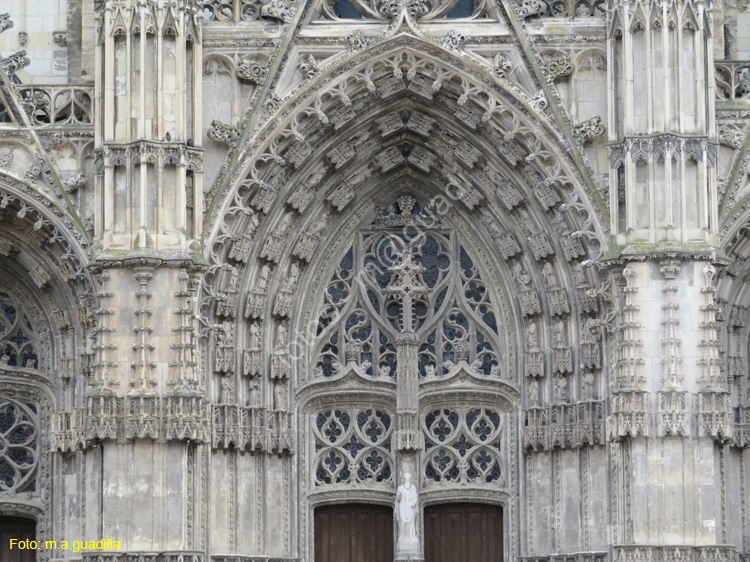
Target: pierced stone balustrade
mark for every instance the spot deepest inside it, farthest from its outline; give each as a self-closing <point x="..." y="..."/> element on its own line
<point x="48" y="106"/>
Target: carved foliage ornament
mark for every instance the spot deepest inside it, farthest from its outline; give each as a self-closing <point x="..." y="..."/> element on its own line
<point x="5" y="22"/>
<point x="588" y="130"/>
<point x="222" y="132"/>
<point x="278" y="9"/>
<point x="14" y="63"/>
<point x="251" y="70"/>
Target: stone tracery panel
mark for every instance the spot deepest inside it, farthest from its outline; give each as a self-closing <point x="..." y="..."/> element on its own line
<point x="463" y="446"/>
<point x="18" y="341"/>
<point x="353" y="446"/>
<point x="449" y="304"/>
<point x="18" y="446"/>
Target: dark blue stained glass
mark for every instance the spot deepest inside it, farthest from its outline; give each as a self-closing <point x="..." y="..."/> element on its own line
<point x="21" y="435"/>
<point x="21" y="456"/>
<point x="482" y="430"/>
<point x="433" y="260"/>
<point x="452" y="417"/>
<point x="489" y="318"/>
<point x="332" y="461"/>
<point x="19" y="338"/>
<point x="353" y="447"/>
<point x="385" y="474"/>
<point x="384" y="418"/>
<point x="333" y="431"/>
<point x="338" y="292"/>
<point x="362" y="418"/>
<point x="442" y="460"/>
<point x="7" y="473"/>
<point x="373" y="431"/>
<point x="484" y="460"/>
<point x="466" y="263"/>
<point x="321" y="419"/>
<point x="430" y="473"/>
<point x="8" y="311"/>
<point x="346" y="10"/>
<point x="347" y="262"/>
<point x="321" y="475"/>
<point x="7" y="418"/>
<point x="475" y="292"/>
<point x="343" y="475"/>
<point x="464" y="9"/>
<point x="462" y="445"/>
<point x="374" y="461"/>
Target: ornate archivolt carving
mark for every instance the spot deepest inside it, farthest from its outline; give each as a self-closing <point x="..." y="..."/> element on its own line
<point x="415" y="78"/>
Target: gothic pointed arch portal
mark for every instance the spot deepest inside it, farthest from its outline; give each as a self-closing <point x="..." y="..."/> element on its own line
<point x="398" y="285"/>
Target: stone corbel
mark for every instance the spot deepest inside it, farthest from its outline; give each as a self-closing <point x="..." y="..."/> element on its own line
<point x="557" y="67"/>
<point x="252" y="70"/>
<point x="5" y="22"/>
<point x="589" y="129"/>
<point x="221" y="132"/>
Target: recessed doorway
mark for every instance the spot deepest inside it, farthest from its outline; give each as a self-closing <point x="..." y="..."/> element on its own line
<point x="354" y="533"/>
<point x="18" y="528"/>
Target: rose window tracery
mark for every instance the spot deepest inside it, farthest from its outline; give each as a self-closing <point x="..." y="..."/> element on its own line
<point x="353" y="446"/>
<point x="18" y="342"/>
<point x="463" y="445"/>
<point x="18" y="446"/>
<point x="399" y="277"/>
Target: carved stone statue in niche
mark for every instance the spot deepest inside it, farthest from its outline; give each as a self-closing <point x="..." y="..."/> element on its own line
<point x="521" y="276"/>
<point x="533" y="393"/>
<point x="280" y="395"/>
<point x="532" y="337"/>
<point x="406" y="511"/>
<point x="549" y="275"/>
<point x="558" y="334"/>
<point x="587" y="385"/>
<point x="254" y="336"/>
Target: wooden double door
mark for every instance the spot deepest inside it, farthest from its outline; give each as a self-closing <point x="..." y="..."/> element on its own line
<point x="354" y="533"/>
<point x="462" y="532"/>
<point x="20" y="529"/>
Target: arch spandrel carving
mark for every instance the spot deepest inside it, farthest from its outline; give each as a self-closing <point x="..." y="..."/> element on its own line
<point x="402" y="67"/>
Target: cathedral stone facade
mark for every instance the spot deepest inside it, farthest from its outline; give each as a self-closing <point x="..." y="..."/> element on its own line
<point x="375" y="280"/>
